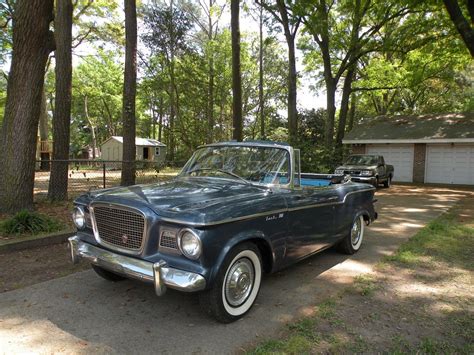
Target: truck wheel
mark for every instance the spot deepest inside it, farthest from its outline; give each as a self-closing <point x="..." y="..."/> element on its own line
<point x="236" y="286"/>
<point x="352" y="242"/>
<point x="106" y="274"/>
<point x="376" y="183"/>
<point x="388" y="182"/>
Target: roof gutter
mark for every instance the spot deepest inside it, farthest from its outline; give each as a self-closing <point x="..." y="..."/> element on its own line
<point x="422" y="140"/>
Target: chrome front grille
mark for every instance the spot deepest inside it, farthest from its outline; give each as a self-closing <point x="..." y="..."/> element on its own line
<point x="119" y="227"/>
<point x="352" y="172"/>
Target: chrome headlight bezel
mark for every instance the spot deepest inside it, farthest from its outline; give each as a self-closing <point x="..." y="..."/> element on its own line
<point x="366" y="173"/>
<point x="79" y="217"/>
<point x="183" y="236"/>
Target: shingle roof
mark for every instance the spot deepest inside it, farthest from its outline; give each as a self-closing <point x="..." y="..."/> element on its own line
<point x="443" y="127"/>
<point x="144" y="142"/>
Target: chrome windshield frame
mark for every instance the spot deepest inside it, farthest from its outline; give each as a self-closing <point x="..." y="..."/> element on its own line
<point x="285" y="147"/>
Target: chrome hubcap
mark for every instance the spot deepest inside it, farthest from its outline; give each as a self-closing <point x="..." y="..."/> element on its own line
<point x="239" y="282"/>
<point x="356" y="231"/>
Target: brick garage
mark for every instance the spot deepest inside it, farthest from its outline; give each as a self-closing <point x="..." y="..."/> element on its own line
<point x="423" y="149"/>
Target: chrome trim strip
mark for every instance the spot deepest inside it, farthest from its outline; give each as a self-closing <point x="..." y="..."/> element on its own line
<point x="261" y="214"/>
<point x="161" y="275"/>
<point x="125" y="208"/>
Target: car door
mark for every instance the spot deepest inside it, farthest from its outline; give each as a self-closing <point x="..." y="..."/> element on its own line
<point x="311" y="218"/>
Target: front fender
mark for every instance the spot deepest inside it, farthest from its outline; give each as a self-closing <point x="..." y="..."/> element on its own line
<point x="256" y="236"/>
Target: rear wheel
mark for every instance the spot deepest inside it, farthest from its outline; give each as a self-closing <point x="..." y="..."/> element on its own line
<point x="107" y="275"/>
<point x="236" y="286"/>
<point x="352" y="242"/>
<point x="388" y="182"/>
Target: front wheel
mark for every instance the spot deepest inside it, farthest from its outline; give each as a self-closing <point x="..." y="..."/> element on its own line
<point x="352" y="242"/>
<point x="376" y="182"/>
<point x="236" y="286"/>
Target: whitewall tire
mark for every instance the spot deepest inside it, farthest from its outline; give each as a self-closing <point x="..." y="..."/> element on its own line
<point x="236" y="286"/>
<point x="353" y="240"/>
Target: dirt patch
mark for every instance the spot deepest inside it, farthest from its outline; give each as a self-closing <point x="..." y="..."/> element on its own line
<point x="27" y="267"/>
<point x="420" y="300"/>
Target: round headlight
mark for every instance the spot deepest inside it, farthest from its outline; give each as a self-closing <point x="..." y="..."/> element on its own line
<point x="78" y="217"/>
<point x="190" y="244"/>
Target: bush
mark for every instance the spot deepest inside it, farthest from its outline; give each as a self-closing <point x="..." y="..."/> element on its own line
<point x="26" y="222"/>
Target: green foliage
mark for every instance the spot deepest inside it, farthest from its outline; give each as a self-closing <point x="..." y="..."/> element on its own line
<point x="97" y="82"/>
<point x="26" y="222"/>
<point x="315" y="156"/>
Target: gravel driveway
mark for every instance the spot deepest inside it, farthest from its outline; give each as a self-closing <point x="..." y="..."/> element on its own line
<point x="83" y="313"/>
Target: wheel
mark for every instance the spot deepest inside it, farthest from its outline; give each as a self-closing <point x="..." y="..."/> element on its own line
<point x="106" y="274"/>
<point x="352" y="242"/>
<point x="236" y="286"/>
<point x="388" y="182"/>
<point x="376" y="183"/>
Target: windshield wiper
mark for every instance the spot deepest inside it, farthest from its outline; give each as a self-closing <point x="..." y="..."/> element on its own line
<point x="221" y="171"/>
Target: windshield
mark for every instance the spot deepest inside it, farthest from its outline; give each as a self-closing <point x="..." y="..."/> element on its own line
<point x="362" y="160"/>
<point x="266" y="165"/>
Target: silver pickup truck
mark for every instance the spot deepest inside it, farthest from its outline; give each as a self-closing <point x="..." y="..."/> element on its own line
<point x="370" y="169"/>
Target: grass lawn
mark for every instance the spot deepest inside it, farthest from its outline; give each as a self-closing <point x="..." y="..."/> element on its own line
<point x="419" y="300"/>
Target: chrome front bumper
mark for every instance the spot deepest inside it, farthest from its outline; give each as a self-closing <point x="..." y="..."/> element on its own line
<point x="158" y="273"/>
<point x="365" y="179"/>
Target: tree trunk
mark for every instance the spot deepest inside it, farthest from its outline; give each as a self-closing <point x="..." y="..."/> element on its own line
<point x="261" y="103"/>
<point x="346" y="93"/>
<point x="171" y="125"/>
<point x="129" y="94"/>
<point x="352" y="109"/>
<point x="153" y="118"/>
<point x="210" y="135"/>
<point x="160" y="124"/>
<point x="92" y="127"/>
<point x="44" y="132"/>
<point x="331" y="111"/>
<point x="292" y="112"/>
<point x="32" y="43"/>
<point x="62" y="113"/>
<point x="462" y="24"/>
<point x="237" y="121"/>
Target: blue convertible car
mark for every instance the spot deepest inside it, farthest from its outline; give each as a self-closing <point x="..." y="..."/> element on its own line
<point x="235" y="211"/>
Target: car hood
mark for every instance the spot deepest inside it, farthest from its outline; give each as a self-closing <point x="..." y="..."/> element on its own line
<point x="194" y="200"/>
<point x="356" y="167"/>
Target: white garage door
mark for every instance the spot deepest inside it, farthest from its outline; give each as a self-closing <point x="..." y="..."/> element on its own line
<point x="450" y="164"/>
<point x="398" y="155"/>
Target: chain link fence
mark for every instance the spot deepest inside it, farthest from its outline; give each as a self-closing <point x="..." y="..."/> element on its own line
<point x="87" y="175"/>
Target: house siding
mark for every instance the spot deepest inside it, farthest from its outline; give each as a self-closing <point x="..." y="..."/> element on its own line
<point x="358" y="149"/>
<point x="419" y="160"/>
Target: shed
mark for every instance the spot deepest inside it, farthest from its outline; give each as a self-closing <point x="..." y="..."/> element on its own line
<point x="147" y="149"/>
<point x="423" y="149"/>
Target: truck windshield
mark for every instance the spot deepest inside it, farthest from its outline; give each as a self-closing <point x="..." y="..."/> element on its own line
<point x="362" y="160"/>
<point x="265" y="165"/>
